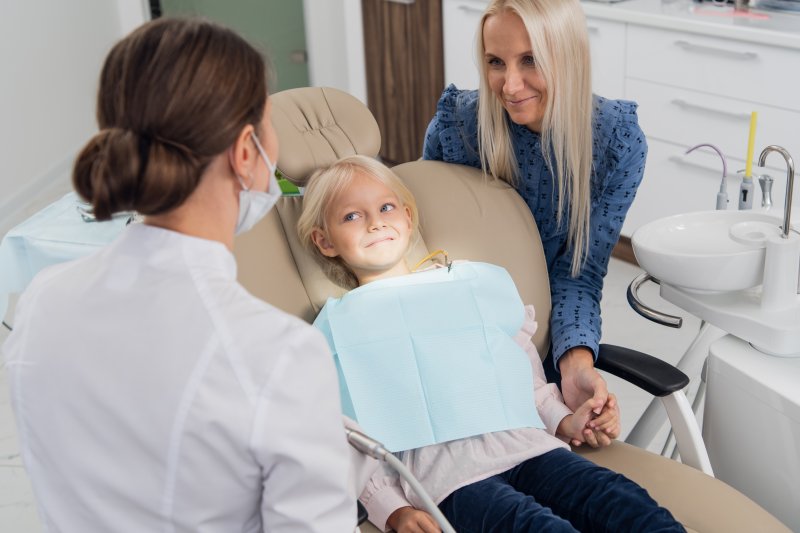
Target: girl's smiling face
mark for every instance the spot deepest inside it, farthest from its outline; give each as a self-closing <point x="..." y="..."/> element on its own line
<point x="369" y="228"/>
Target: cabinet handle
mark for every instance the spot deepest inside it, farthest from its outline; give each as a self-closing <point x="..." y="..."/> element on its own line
<point x="406" y="2"/>
<point x="691" y="47"/>
<point x="731" y="114"/>
<point x="470" y="9"/>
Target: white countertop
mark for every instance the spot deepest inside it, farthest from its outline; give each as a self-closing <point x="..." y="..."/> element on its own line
<point x="759" y="26"/>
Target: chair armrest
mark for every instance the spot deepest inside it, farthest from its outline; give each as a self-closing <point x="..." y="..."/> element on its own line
<point x="645" y="371"/>
<point x="361" y="513"/>
<point x="667" y="382"/>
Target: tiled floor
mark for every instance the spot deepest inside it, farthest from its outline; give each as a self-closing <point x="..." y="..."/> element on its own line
<point x="621" y="326"/>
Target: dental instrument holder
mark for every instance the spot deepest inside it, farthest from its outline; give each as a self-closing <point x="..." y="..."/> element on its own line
<point x="765" y="181"/>
<point x="768" y="317"/>
<point x="746" y="192"/>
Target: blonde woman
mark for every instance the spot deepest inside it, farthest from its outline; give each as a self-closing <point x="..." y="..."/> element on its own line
<point x="576" y="159"/>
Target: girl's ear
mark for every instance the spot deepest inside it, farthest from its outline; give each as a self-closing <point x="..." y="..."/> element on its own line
<point x="407" y="211"/>
<point x="322" y="243"/>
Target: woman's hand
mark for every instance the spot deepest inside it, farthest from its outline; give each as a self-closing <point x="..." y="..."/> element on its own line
<point x="580" y="380"/>
<point x="411" y="520"/>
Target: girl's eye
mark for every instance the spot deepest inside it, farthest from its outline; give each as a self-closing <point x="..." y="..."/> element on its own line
<point x="494" y="62"/>
<point x="528" y="61"/>
<point x="349" y="217"/>
<point x="385" y="208"/>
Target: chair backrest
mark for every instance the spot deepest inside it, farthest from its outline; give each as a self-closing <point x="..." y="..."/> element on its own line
<point x="470" y="215"/>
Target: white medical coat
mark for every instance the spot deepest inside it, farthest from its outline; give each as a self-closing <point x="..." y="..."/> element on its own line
<point x="153" y="393"/>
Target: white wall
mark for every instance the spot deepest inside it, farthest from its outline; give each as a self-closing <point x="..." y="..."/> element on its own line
<point x="51" y="52"/>
<point x="335" y="44"/>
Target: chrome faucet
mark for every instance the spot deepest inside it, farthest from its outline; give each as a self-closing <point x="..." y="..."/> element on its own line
<point x="787" y="206"/>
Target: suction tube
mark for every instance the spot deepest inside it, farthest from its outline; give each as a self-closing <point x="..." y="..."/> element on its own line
<point x="722" y="195"/>
<point x="375" y="449"/>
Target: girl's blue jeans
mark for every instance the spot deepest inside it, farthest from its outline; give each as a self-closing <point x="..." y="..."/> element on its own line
<point x="557" y="491"/>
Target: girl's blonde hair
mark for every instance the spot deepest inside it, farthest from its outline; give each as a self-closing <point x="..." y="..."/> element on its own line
<point x="560" y="46"/>
<point x="322" y="189"/>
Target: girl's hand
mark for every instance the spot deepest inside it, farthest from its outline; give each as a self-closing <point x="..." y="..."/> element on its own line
<point x="575" y="426"/>
<point x="411" y="520"/>
<point x="597" y="430"/>
<point x="607" y="423"/>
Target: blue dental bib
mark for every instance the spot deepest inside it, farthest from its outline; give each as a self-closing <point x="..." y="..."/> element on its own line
<point x="430" y="357"/>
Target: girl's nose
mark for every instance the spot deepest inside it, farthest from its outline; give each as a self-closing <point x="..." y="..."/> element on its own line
<point x="376" y="222"/>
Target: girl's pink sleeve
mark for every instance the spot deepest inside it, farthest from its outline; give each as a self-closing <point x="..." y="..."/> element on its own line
<point x="549" y="401"/>
<point x="382" y="496"/>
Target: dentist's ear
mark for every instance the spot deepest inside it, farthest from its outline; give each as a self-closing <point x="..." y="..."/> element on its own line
<point x="322" y="243"/>
<point x="243" y="154"/>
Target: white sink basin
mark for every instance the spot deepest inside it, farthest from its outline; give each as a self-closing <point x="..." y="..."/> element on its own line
<point x="706" y="250"/>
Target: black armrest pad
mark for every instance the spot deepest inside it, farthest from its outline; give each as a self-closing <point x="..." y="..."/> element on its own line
<point x="361" y="513"/>
<point x="645" y="371"/>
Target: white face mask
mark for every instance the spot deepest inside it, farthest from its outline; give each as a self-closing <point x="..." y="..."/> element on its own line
<point x="254" y="205"/>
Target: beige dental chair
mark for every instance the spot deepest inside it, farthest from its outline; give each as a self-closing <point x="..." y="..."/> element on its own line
<point x="472" y="218"/>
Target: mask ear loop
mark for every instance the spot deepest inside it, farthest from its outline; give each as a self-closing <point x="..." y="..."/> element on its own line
<point x="430" y="256"/>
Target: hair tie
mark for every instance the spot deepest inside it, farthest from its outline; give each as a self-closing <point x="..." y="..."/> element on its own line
<point x="176" y="145"/>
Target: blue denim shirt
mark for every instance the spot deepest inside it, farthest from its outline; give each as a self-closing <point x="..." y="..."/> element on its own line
<point x="619" y="150"/>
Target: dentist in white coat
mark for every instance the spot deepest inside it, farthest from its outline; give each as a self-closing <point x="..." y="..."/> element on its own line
<point x="151" y="391"/>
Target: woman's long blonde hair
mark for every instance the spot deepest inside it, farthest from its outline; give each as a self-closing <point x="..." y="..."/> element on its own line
<point x="560" y="45"/>
<point x="323" y="187"/>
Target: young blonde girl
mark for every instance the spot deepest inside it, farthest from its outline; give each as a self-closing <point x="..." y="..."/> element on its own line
<point x="359" y="221"/>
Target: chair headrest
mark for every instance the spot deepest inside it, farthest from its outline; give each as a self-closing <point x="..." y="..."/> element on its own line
<point x="319" y="125"/>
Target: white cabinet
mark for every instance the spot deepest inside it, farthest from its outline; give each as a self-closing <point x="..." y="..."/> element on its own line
<point x="725" y="67"/>
<point x="695" y="89"/>
<point x="460" y="24"/>
<point x="607" y="43"/>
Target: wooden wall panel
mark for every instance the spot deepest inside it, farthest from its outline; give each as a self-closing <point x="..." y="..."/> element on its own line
<point x="405" y="72"/>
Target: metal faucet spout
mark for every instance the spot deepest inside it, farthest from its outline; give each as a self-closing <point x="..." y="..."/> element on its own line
<point x="787" y="206"/>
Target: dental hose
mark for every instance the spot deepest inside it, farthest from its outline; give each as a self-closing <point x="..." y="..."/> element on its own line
<point x="375" y="449"/>
<point x="722" y="195"/>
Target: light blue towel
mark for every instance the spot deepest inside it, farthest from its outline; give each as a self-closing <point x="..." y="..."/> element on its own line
<point x="53" y="235"/>
<point x="430" y="357"/>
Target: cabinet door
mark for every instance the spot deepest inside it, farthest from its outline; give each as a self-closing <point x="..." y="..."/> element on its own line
<point x="607" y="41"/>
<point x="461" y="19"/>
<point x="691" y="117"/>
<point x="725" y="67"/>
